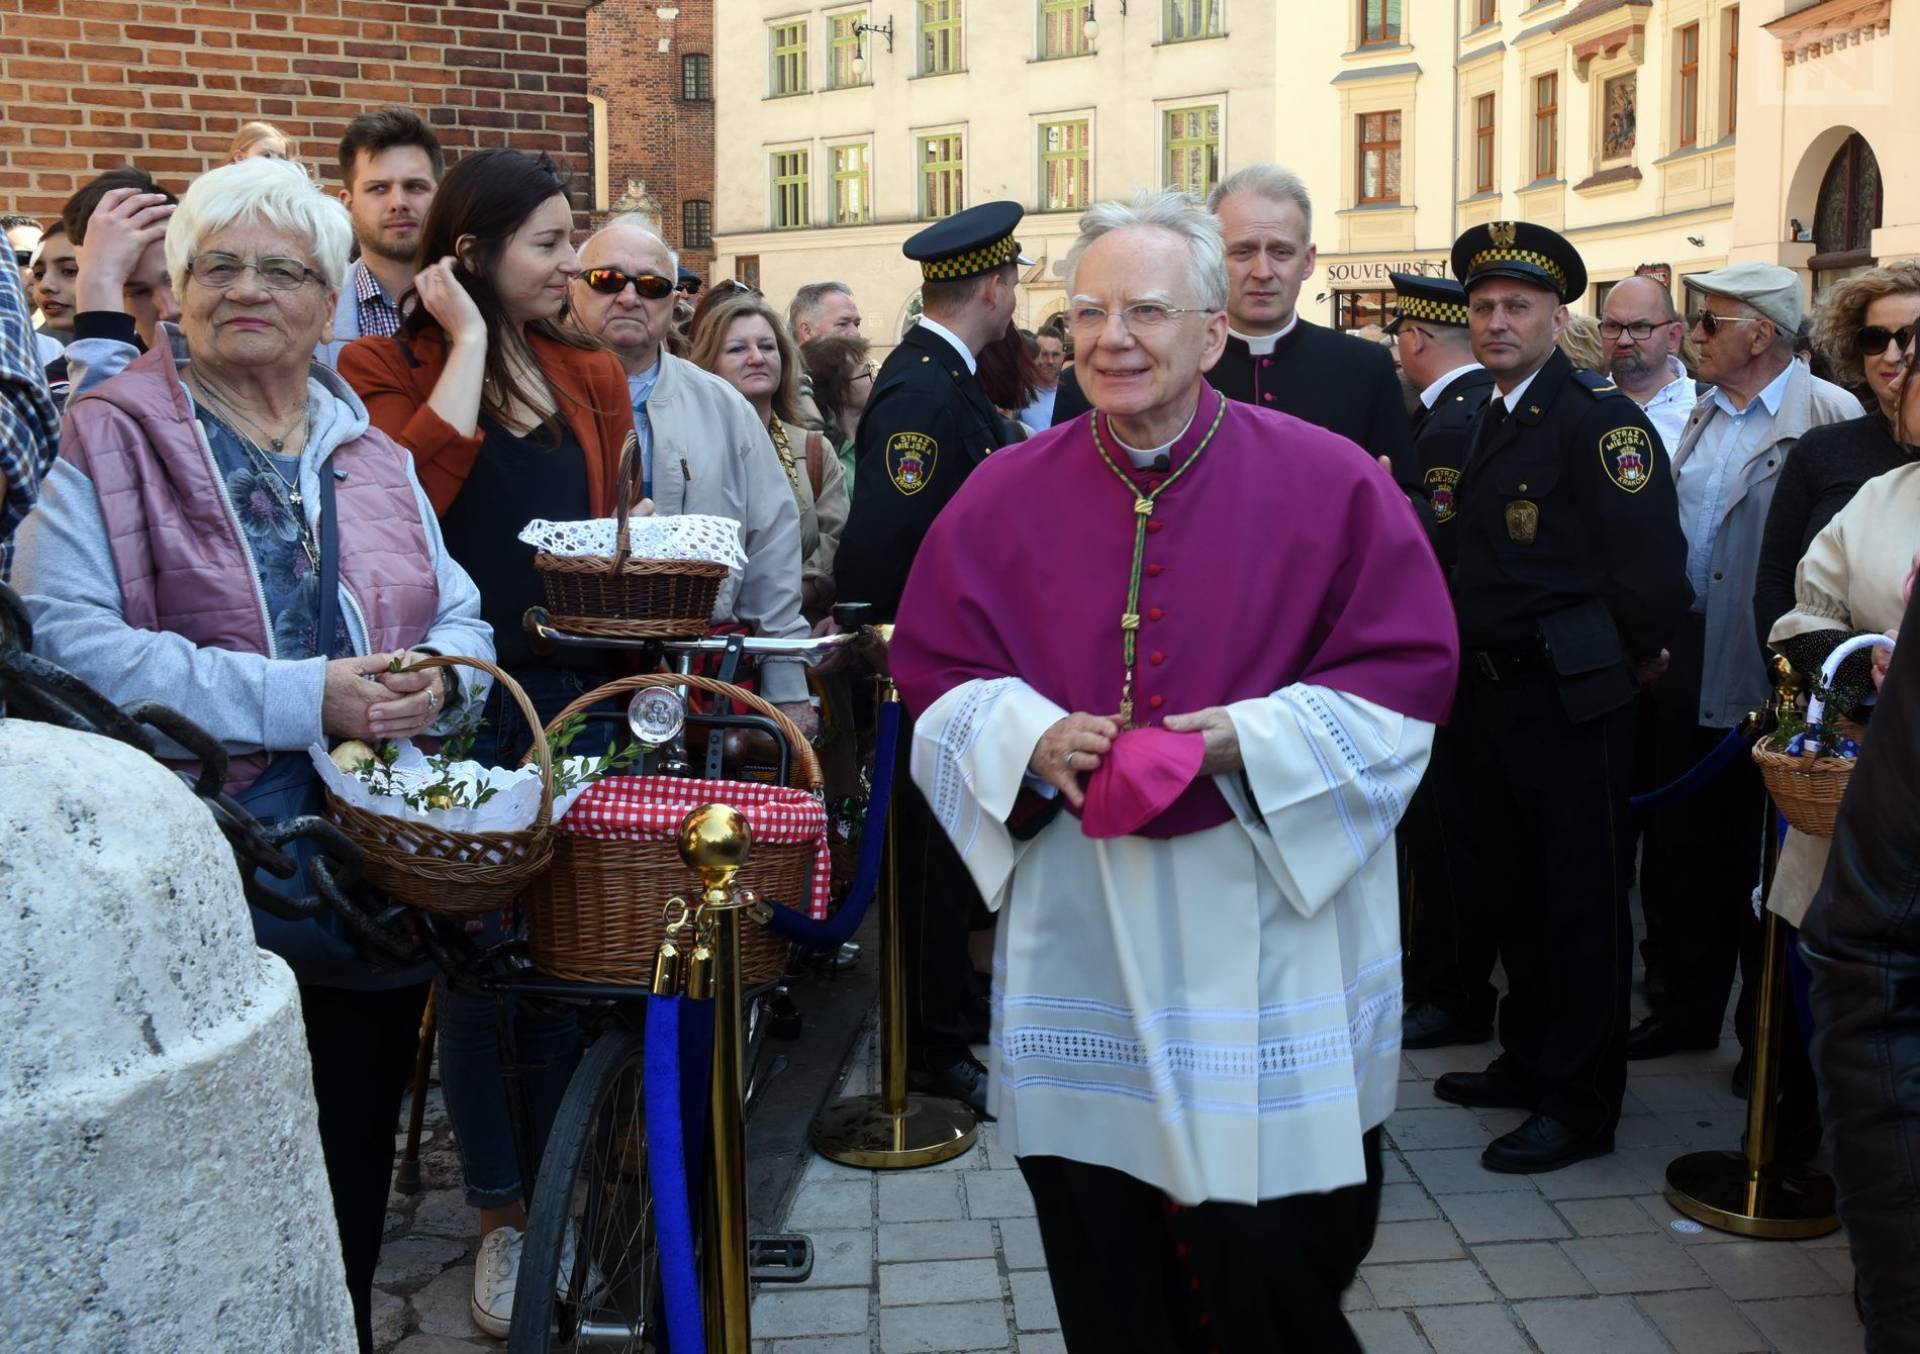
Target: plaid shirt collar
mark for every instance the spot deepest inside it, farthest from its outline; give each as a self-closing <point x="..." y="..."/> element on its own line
<point x="378" y="316"/>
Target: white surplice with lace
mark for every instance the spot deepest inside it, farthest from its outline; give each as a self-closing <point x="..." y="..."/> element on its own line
<point x="1217" y="1014"/>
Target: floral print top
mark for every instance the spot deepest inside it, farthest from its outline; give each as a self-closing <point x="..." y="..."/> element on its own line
<point x="287" y="577"/>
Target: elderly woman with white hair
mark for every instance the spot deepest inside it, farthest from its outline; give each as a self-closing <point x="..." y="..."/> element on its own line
<point x="224" y="533"/>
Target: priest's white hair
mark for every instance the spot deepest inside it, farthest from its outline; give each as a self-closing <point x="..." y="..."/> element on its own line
<point x="1178" y="215"/>
<point x="277" y="193"/>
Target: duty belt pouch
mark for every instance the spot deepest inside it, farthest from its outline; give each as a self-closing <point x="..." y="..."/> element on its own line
<point x="1590" y="668"/>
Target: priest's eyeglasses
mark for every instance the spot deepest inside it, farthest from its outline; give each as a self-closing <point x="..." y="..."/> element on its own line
<point x="221" y="271"/>
<point x="1144" y="318"/>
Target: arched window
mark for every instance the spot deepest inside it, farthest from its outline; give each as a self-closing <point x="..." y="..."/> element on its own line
<point x="1846" y="213"/>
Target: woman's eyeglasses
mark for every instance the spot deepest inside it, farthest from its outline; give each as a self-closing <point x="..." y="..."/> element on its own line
<point x="1871" y="340"/>
<point x="1709" y="323"/>
<point x="866" y="373"/>
<point x="612" y="281"/>
<point x="221" y="271"/>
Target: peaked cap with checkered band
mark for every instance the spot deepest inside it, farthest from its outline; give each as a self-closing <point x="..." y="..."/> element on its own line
<point x="977" y="240"/>
<point x="1524" y="252"/>
<point x="1427" y="300"/>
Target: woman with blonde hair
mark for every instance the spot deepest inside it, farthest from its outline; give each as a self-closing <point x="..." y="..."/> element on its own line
<point x="1866" y="330"/>
<point x="1582" y="344"/>
<point x="742" y="339"/>
<point x="255" y="139"/>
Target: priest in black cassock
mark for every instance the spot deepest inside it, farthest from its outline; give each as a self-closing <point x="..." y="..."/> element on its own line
<point x="1275" y="358"/>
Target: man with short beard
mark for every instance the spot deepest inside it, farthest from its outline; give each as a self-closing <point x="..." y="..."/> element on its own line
<point x="391" y="163"/>
<point x="1643" y="334"/>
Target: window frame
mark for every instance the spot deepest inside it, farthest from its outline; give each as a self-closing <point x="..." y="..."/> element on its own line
<point x="1384" y="146"/>
<point x="1384" y="36"/>
<point x="702" y="83"/>
<point x="1546" y="124"/>
<point x="1210" y="9"/>
<point x="1730" y="19"/>
<point x="956" y="24"/>
<point x="797" y="56"/>
<point x="1172" y="145"/>
<point x="1485" y="12"/>
<point x="839" y="44"/>
<point x="1687" y="95"/>
<point x="802" y="181"/>
<point x="923" y="169"/>
<point x="1077" y="43"/>
<point x="689" y="237"/>
<point x="837" y="176"/>
<point x="1485" y="168"/>
<point x="1082" y="154"/>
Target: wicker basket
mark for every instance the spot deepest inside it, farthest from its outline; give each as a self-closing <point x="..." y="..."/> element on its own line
<point x="1808" y="790"/>
<point x="596" y="916"/>
<point x="618" y="597"/>
<point x="460" y="874"/>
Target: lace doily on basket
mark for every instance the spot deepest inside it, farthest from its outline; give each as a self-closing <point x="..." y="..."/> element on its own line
<point x="695" y="536"/>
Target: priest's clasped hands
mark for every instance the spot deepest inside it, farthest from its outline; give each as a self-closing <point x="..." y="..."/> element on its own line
<point x="1076" y="746"/>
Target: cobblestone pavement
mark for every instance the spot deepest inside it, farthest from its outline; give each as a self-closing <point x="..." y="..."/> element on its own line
<point x="948" y="1259"/>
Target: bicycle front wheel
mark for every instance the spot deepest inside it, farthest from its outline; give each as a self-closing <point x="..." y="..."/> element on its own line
<point x="589" y="1267"/>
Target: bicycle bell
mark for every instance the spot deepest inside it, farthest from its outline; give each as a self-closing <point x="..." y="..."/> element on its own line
<point x="656" y="716"/>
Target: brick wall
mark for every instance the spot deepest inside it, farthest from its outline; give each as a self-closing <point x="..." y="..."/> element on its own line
<point x="88" y="85"/>
<point x="654" y="135"/>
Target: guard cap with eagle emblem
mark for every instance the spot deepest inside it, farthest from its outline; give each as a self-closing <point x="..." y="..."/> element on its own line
<point x="977" y="240"/>
<point x="1427" y="300"/>
<point x="1522" y="251"/>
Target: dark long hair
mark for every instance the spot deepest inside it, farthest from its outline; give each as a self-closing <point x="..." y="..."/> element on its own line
<point x="1010" y="370"/>
<point x="489" y="195"/>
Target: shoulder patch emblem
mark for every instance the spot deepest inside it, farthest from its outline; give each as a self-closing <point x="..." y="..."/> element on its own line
<point x="1626" y="454"/>
<point x="910" y="461"/>
<point x="1441" y="482"/>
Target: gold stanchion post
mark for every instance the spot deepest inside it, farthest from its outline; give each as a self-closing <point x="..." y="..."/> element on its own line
<point x="1747" y="1192"/>
<point x="893" y="1130"/>
<point x="715" y="842"/>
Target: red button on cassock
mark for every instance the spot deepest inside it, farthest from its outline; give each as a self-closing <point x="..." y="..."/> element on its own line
<point x="1155" y="702"/>
<point x="1156" y="658"/>
<point x="1267" y="398"/>
<point x="1155" y="570"/>
<point x="1155" y="613"/>
<point x="1155" y="525"/>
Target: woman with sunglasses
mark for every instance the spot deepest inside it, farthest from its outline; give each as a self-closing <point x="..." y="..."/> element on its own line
<point x="1866" y="330"/>
<point x="510" y="415"/>
<point x="744" y="341"/>
<point x="842" y="374"/>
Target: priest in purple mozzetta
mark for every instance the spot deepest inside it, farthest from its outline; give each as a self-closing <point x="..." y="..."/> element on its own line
<point x="1176" y="666"/>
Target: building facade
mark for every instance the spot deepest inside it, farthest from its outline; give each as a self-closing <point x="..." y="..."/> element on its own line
<point x="650" y="81"/>
<point x="94" y="85"/>
<point x="843" y="128"/>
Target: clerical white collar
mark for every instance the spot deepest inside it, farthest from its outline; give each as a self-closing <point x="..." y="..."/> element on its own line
<point x="1513" y="397"/>
<point x="1143" y="460"/>
<point x="1262" y="345"/>
<point x="934" y="326"/>
<point x="1434" y="391"/>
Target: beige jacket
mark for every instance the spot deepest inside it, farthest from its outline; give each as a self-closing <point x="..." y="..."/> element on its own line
<point x="710" y="455"/>
<point x="1850" y="579"/>
<point x="822" y="520"/>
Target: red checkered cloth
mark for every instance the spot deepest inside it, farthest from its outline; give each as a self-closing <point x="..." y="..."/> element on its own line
<point x="651" y="808"/>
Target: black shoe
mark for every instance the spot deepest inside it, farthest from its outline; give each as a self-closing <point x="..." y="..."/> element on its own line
<point x="1494" y="1089"/>
<point x="1543" y="1143"/>
<point x="1656" y="1037"/>
<point x="952" y="1074"/>
<point x="1428" y="1026"/>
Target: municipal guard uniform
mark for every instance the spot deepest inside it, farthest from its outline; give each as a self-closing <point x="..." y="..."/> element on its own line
<point x="1450" y="951"/>
<point x="925" y="427"/>
<point x="1570" y="574"/>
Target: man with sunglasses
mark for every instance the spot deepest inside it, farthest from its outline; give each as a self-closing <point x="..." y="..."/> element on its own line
<point x="1643" y="333"/>
<point x="1701" y="854"/>
<point x="702" y="450"/>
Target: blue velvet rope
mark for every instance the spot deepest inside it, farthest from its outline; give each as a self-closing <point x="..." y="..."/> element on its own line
<point x="667" y="1169"/>
<point x="1729" y="750"/>
<point x="791" y="925"/>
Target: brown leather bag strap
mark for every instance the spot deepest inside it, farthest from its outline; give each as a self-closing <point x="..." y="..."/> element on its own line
<point x="816" y="462"/>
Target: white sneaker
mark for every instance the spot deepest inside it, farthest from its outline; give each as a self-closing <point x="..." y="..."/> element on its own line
<point x="494" y="1274"/>
<point x="594" y="1281"/>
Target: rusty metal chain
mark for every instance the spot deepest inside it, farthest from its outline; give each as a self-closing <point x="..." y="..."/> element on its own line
<point x="35" y="689"/>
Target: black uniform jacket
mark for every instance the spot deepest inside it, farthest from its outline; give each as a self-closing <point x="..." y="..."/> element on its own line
<point x="926" y="425"/>
<point x="1567" y="530"/>
<point x="1440" y="437"/>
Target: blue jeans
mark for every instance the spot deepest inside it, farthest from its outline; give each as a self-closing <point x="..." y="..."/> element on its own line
<point x="546" y="1042"/>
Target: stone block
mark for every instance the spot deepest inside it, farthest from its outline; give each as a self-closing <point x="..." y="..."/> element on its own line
<point x="927" y="1282"/>
<point x="1020" y="1244"/>
<point x="1818" y="1325"/>
<point x="1458" y="1171"/>
<point x="1425" y="1129"/>
<point x="1606" y="1217"/>
<point x="1397" y="1242"/>
<point x="841" y="1259"/>
<point x="1042" y="1342"/>
<point x="1386" y="1333"/>
<point x="804" y="1311"/>
<point x="1752" y="1270"/>
<point x="1502" y="1217"/>
<point x="1426" y="1285"/>
<point x="998" y="1194"/>
<point x="1531" y="1269"/>
<point x="920" y="1198"/>
<point x="1702" y="1322"/>
<point x="409" y="1262"/>
<point x="817" y="1344"/>
<point x="1590" y="1326"/>
<point x="1033" y="1305"/>
<point x="831" y="1204"/>
<point x="951" y="1326"/>
<point x="1601" y="1177"/>
<point x="445" y="1306"/>
<point x="1632" y="1264"/>
<point x="902" y="1242"/>
<point x="1406" y="1203"/>
<point x="1482" y="1328"/>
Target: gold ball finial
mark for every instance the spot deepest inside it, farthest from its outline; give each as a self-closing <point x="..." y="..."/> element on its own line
<point x="715" y="842"/>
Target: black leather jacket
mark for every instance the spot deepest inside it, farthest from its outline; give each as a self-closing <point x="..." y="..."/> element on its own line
<point x="1862" y="942"/>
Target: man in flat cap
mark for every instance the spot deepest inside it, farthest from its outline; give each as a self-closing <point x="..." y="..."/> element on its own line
<point x="1450" y="946"/>
<point x="1569" y="581"/>
<point x="927" y="425"/>
<point x="1701" y="855"/>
